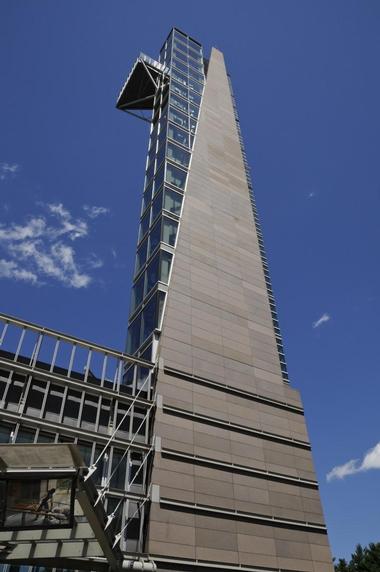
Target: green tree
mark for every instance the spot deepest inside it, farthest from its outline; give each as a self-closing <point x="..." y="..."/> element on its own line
<point x="362" y="560"/>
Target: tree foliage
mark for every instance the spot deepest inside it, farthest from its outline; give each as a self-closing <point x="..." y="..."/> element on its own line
<point x="362" y="560"/>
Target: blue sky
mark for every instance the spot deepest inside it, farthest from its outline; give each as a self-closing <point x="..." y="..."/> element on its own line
<point x="306" y="79"/>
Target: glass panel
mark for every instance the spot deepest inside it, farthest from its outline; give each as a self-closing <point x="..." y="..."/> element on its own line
<point x="194" y="110"/>
<point x="193" y="125"/>
<point x="149" y="173"/>
<point x="178" y="135"/>
<point x="166" y="260"/>
<point x="85" y="450"/>
<point x="169" y="231"/>
<point x="141" y="255"/>
<point x="148" y="319"/>
<point x="180" y="77"/>
<point x="196" y="75"/>
<point x="161" y="154"/>
<point x="152" y="273"/>
<point x="133" y="340"/>
<point x="195" y="85"/>
<point x="177" y="117"/>
<point x="54" y="402"/>
<point x="14" y="393"/>
<point x="193" y="45"/>
<point x="195" y="98"/>
<point x="161" y="301"/>
<point x="180" y="55"/>
<point x="179" y="102"/>
<point x="25" y="435"/>
<point x="156" y="206"/>
<point x="180" y="44"/>
<point x="154" y="237"/>
<point x="35" y="398"/>
<point x="144" y="225"/>
<point x="90" y="408"/>
<point x="179" y="89"/>
<point x="119" y="465"/>
<point x="158" y="179"/>
<point x="146" y="197"/>
<point x="195" y="55"/>
<point x="45" y="437"/>
<point x="104" y="417"/>
<point x="172" y="201"/>
<point x="137" y="293"/>
<point x="71" y="409"/>
<point x="175" y="176"/>
<point x="178" y="155"/>
<point x="180" y="66"/>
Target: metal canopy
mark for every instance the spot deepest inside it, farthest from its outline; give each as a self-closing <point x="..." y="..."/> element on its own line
<point x="139" y="89"/>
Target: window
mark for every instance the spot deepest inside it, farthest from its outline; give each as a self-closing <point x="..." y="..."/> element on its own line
<point x="172" y="201"/>
<point x="148" y="323"/>
<point x="144" y="225"/>
<point x="119" y="465"/>
<point x="180" y="66"/>
<point x="194" y="110"/>
<point x="141" y="255"/>
<point x="133" y="340"/>
<point x="179" y="102"/>
<point x="196" y="75"/>
<point x="35" y="398"/>
<point x="123" y="430"/>
<point x="169" y="231"/>
<point x="90" y="408"/>
<point x="193" y="125"/>
<point x="146" y="197"/>
<point x="14" y="393"/>
<point x="195" y="98"/>
<point x="25" y="435"/>
<point x="180" y="56"/>
<point x="156" y="206"/>
<point x="161" y="154"/>
<point x="166" y="261"/>
<point x="195" y="85"/>
<point x="104" y="415"/>
<point x="179" y="89"/>
<point x="44" y="437"/>
<point x="175" y="176"/>
<point x="72" y="406"/>
<point x="86" y="452"/>
<point x="178" y="135"/>
<point x="5" y="432"/>
<point x="158" y="179"/>
<point x="179" y="118"/>
<point x="137" y="293"/>
<point x="180" y="77"/>
<point x="178" y="155"/>
<point x="152" y="273"/>
<point x="154" y="237"/>
<point x="54" y="402"/>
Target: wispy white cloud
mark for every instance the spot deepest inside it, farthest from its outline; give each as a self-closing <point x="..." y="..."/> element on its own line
<point x="8" y="170"/>
<point x="324" y="318"/>
<point x="371" y="460"/>
<point x="311" y="195"/>
<point x="10" y="269"/>
<point x="94" y="212"/>
<point x="43" y="248"/>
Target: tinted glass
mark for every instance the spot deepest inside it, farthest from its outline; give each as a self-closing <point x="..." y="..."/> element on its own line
<point x="175" y="176"/>
<point x="178" y="135"/>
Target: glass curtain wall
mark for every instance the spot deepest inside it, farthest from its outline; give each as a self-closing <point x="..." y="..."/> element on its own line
<point x="175" y="116"/>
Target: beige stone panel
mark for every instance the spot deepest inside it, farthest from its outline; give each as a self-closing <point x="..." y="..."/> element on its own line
<point x="217" y="555"/>
<point x="171" y="549"/>
<point x="256" y="545"/>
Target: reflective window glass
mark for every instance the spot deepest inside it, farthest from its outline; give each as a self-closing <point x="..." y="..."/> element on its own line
<point x="141" y="255"/>
<point x="180" y="56"/>
<point x="166" y="260"/>
<point x="137" y="293"/>
<point x="133" y="340"/>
<point x="193" y="125"/>
<point x="169" y="231"/>
<point x="35" y="398"/>
<point x="172" y="201"/>
<point x="178" y="155"/>
<point x="90" y="408"/>
<point x="178" y="135"/>
<point x="144" y="224"/>
<point x="72" y="406"/>
<point x="175" y="176"/>
<point x="146" y="197"/>
<point x="180" y="66"/>
<point x="195" y="85"/>
<point x="149" y="318"/>
<point x="179" y="102"/>
<point x="149" y="172"/>
<point x="156" y="206"/>
<point x="197" y="76"/>
<point x="154" y="237"/>
<point x="5" y="432"/>
<point x="179" y="76"/>
<point x="25" y="435"/>
<point x="54" y="402"/>
<point x="104" y="415"/>
<point x="161" y="154"/>
<point x="179" y="89"/>
<point x="195" y="54"/>
<point x="194" y="110"/>
<point x="178" y="45"/>
<point x="86" y="451"/>
<point x="158" y="179"/>
<point x="118" y="470"/>
<point x="195" y="98"/>
<point x="152" y="273"/>
<point x="193" y="45"/>
<point x="178" y="117"/>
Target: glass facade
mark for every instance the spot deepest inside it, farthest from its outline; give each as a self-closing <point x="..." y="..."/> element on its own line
<point x="174" y="122"/>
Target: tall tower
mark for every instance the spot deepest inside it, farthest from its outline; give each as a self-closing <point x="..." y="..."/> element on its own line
<point x="232" y="481"/>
